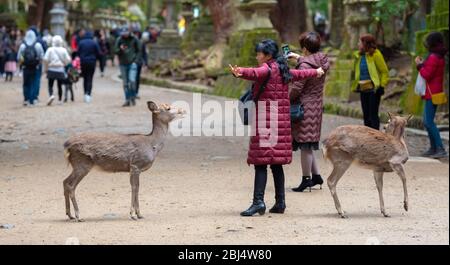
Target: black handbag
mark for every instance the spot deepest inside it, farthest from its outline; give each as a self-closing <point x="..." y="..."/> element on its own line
<point x="297" y="112"/>
<point x="248" y="96"/>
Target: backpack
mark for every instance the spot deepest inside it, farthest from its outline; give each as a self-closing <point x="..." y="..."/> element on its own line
<point x="30" y="56"/>
<point x="73" y="75"/>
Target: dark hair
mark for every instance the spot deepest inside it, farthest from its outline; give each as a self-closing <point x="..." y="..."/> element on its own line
<point x="369" y="44"/>
<point x="310" y="41"/>
<point x="270" y="47"/>
<point x="435" y="43"/>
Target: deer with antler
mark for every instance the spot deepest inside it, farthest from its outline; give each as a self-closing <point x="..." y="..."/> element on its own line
<point x="113" y="152"/>
<point x="372" y="149"/>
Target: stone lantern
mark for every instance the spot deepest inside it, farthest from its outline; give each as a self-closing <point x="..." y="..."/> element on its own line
<point x="358" y="17"/>
<point x="58" y="17"/>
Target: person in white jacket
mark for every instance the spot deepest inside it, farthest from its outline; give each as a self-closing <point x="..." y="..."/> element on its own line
<point x="56" y="58"/>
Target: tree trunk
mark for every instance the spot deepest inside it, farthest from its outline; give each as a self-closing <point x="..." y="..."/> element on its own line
<point x="336" y="9"/>
<point x="222" y="14"/>
<point x="289" y="19"/>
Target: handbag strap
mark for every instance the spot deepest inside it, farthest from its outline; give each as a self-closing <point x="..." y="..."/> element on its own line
<point x="428" y="87"/>
<point x="263" y="86"/>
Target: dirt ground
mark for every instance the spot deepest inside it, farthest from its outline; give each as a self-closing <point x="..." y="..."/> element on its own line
<point x="198" y="185"/>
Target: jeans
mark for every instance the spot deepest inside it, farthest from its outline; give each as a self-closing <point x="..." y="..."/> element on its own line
<point x="370" y="103"/>
<point x="138" y="78"/>
<point x="428" y="121"/>
<point x="37" y="82"/>
<point x="88" y="70"/>
<point x="128" y="72"/>
<point x="29" y="80"/>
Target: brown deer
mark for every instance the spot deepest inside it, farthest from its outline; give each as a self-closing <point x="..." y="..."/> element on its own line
<point x="371" y="149"/>
<point x="113" y="152"/>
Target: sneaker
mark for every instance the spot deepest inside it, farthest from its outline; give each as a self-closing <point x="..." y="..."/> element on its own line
<point x="50" y="100"/>
<point x="440" y="153"/>
<point x="126" y="104"/>
<point x="25" y="103"/>
<point x="133" y="102"/>
<point x="429" y="153"/>
<point x="87" y="98"/>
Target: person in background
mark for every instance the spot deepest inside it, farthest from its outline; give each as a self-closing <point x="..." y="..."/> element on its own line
<point x="56" y="59"/>
<point x="104" y="50"/>
<point x="37" y="80"/>
<point x="10" y="58"/>
<point x="3" y="36"/>
<point x="89" y="51"/>
<point x="30" y="55"/>
<point x="309" y="93"/>
<point x="128" y="50"/>
<point x="432" y="69"/>
<point x="371" y="77"/>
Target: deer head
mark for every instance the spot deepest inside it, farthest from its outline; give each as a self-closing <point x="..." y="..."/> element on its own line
<point x="164" y="112"/>
<point x="396" y="125"/>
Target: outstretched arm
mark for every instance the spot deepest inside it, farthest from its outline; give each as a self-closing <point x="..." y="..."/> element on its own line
<point x="298" y="75"/>
<point x="253" y="74"/>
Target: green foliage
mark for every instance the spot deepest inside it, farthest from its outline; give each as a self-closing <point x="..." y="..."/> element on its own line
<point x="96" y="4"/>
<point x="386" y="9"/>
<point x="319" y="5"/>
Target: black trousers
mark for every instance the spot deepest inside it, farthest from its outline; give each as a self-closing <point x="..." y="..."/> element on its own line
<point x="370" y="103"/>
<point x="87" y="70"/>
<point x="261" y="180"/>
<point x="102" y="62"/>
<point x="51" y="81"/>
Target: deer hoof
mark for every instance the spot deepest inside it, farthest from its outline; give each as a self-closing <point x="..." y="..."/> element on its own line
<point x="79" y="220"/>
<point x="70" y="217"/>
<point x="386" y="215"/>
<point x="405" y="205"/>
<point x="140" y="216"/>
<point x="343" y="216"/>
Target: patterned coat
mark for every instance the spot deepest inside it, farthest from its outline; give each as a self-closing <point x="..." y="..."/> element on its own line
<point x="310" y="93"/>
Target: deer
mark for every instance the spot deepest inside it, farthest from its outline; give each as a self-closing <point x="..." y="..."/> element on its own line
<point x="114" y="152"/>
<point x="371" y="149"/>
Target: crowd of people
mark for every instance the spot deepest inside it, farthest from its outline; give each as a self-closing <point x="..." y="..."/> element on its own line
<point x="64" y="61"/>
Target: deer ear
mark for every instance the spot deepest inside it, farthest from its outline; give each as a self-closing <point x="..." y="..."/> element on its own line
<point x="152" y="106"/>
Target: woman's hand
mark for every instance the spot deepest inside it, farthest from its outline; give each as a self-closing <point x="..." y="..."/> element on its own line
<point x="320" y="72"/>
<point x="235" y="70"/>
<point x="419" y="60"/>
<point x="293" y="55"/>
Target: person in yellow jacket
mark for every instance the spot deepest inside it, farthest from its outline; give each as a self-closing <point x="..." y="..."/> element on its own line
<point x="371" y="77"/>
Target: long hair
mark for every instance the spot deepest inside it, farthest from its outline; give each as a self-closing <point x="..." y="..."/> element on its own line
<point x="270" y="47"/>
<point x="369" y="44"/>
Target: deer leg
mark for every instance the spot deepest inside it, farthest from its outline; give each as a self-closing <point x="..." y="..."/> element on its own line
<point x="66" y="186"/>
<point x="134" y="181"/>
<point x="81" y="169"/>
<point x="398" y="168"/>
<point x="379" y="181"/>
<point x="339" y="169"/>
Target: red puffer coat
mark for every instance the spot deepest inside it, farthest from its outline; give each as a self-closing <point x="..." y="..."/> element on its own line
<point x="272" y="146"/>
<point x="432" y="70"/>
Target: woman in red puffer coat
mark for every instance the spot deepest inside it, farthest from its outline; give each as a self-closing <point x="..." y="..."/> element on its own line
<point x="272" y="142"/>
<point x="432" y="70"/>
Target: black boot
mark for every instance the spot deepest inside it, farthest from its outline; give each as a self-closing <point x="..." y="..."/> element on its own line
<point x="306" y="183"/>
<point x="278" y="179"/>
<point x="317" y="180"/>
<point x="258" y="205"/>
